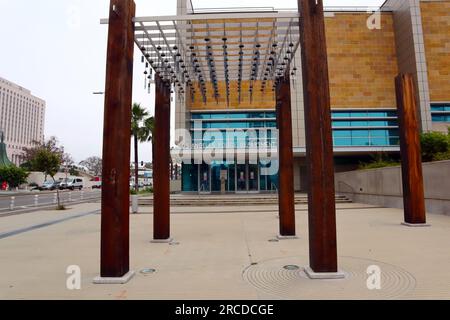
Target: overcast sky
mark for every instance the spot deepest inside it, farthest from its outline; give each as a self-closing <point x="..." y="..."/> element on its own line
<point x="57" y="49"/>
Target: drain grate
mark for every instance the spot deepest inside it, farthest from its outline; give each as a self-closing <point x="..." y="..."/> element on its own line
<point x="148" y="271"/>
<point x="291" y="267"/>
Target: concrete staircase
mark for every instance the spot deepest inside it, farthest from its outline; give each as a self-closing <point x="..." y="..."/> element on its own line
<point x="231" y="200"/>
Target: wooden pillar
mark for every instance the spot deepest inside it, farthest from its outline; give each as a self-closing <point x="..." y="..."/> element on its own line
<point x="116" y="141"/>
<point x="413" y="191"/>
<point x="161" y="165"/>
<point x="319" y="143"/>
<point x="286" y="155"/>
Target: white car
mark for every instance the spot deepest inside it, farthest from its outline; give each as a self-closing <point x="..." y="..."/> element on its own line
<point x="74" y="183"/>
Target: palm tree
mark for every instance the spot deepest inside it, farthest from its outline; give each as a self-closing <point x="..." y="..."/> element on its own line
<point x="138" y="117"/>
<point x="148" y="131"/>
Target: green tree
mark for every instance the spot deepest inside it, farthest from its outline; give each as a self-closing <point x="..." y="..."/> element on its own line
<point x="13" y="175"/>
<point x="51" y="145"/>
<point x="49" y="163"/>
<point x="138" y="132"/>
<point x="148" y="129"/>
<point x="73" y="171"/>
<point x="148" y="133"/>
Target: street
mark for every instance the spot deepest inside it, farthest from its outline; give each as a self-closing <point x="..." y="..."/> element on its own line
<point x="24" y="201"/>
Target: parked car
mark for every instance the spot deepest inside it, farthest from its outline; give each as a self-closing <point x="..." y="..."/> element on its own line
<point x="49" y="186"/>
<point x="33" y="186"/>
<point x="97" y="185"/>
<point x="71" y="184"/>
<point x="76" y="183"/>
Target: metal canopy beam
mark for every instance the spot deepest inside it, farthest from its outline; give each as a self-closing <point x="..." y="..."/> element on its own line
<point x="190" y="50"/>
<point x="215" y="16"/>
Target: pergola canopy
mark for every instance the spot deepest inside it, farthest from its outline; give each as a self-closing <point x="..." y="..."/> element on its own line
<point x="192" y="50"/>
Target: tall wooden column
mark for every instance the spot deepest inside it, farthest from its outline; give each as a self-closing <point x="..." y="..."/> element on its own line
<point x="286" y="155"/>
<point x="161" y="165"/>
<point x="413" y="191"/>
<point x="319" y="144"/>
<point x="116" y="141"/>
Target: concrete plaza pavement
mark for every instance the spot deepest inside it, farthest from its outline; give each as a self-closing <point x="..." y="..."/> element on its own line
<point x="226" y="253"/>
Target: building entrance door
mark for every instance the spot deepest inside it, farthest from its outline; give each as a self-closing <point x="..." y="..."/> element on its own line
<point x="204" y="179"/>
<point x="241" y="178"/>
<point x="216" y="182"/>
<point x="253" y="178"/>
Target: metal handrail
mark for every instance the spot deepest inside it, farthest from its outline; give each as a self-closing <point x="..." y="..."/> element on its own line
<point x="38" y="193"/>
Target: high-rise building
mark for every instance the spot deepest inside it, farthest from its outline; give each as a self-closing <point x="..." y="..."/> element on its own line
<point x="366" y="51"/>
<point x="22" y="119"/>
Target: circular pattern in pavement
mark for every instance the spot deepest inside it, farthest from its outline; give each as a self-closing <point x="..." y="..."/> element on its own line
<point x="273" y="279"/>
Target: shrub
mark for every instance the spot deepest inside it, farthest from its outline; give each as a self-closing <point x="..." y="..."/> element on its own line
<point x="13" y="175"/>
<point x="435" y="146"/>
<point x="379" y="161"/>
<point x="379" y="164"/>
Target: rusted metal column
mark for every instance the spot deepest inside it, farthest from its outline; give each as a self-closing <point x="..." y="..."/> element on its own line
<point x="161" y="165"/>
<point x="116" y="141"/>
<point x="319" y="144"/>
<point x="286" y="155"/>
<point x="413" y="190"/>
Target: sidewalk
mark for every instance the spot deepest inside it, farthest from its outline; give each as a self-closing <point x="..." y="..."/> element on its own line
<point x="228" y="255"/>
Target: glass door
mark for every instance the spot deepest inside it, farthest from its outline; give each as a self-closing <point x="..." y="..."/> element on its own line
<point x="241" y="178"/>
<point x="216" y="182"/>
<point x="231" y="177"/>
<point x="204" y="178"/>
<point x="253" y="178"/>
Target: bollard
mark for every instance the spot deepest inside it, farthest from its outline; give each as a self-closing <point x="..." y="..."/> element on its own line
<point x="82" y="195"/>
<point x="11" y="205"/>
<point x="55" y="198"/>
<point x="135" y="204"/>
<point x="36" y="200"/>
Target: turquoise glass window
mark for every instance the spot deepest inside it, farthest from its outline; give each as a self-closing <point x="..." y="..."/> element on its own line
<point x="440" y="112"/>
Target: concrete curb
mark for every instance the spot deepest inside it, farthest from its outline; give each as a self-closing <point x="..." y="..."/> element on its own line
<point x="44" y="207"/>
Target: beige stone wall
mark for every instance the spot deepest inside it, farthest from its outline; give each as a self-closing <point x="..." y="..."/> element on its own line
<point x="362" y="62"/>
<point x="436" y="32"/>
<point x="259" y="100"/>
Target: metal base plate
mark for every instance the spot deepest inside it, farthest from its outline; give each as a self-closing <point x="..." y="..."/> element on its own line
<point x="280" y="237"/>
<point x="162" y="241"/>
<point x="323" y="275"/>
<point x="416" y="225"/>
<point x="122" y="280"/>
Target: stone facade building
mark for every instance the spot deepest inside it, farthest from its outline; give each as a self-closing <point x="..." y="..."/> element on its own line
<point x="22" y="119"/>
<point x="413" y="36"/>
